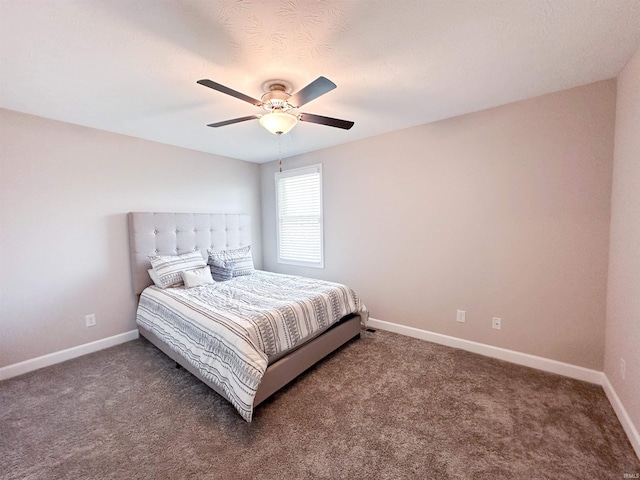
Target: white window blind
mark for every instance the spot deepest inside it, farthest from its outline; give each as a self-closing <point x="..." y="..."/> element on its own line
<point x="299" y="216"/>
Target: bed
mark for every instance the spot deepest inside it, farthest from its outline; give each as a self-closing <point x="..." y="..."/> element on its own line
<point x="224" y="333"/>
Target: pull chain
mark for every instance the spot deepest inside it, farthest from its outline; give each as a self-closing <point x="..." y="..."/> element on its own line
<point x="280" y="151"/>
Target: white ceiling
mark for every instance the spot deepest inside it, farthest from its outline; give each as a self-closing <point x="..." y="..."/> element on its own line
<point x="130" y="66"/>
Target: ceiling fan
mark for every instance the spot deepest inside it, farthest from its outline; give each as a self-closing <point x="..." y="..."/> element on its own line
<point x="278" y="103"/>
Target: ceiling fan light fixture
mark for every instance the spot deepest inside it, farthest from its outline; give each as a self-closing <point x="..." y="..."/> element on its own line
<point x="278" y="123"/>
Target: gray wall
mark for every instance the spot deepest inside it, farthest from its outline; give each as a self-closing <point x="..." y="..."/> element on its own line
<point x="64" y="194"/>
<point x="503" y="212"/>
<point x="623" y="302"/>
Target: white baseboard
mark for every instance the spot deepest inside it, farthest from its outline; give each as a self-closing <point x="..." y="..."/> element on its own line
<point x="541" y="363"/>
<point x="57" y="357"/>
<point x="623" y="416"/>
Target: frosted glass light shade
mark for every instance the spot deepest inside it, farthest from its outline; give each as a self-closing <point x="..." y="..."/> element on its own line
<point x="278" y="123"/>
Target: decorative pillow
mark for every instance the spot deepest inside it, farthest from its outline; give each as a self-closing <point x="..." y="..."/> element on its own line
<point x="241" y="257"/>
<point x="168" y="267"/>
<point x="197" y="277"/>
<point x="221" y="270"/>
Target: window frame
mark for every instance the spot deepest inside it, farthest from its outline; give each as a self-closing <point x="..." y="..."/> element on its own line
<point x="293" y="173"/>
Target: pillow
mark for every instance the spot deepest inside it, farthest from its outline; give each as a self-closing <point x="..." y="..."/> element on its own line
<point x="221" y="270"/>
<point x="154" y="277"/>
<point x="197" y="277"/>
<point x="168" y="267"/>
<point x="241" y="257"/>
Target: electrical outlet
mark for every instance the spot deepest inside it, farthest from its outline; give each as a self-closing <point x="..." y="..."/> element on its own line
<point x="460" y="316"/>
<point x="496" y="323"/>
<point x="90" y="320"/>
<point x="622" y="368"/>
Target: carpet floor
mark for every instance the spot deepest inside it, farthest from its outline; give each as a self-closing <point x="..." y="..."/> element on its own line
<point x="382" y="407"/>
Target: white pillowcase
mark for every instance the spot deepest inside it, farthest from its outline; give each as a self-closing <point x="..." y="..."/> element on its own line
<point x="169" y="267"/>
<point x="195" y="278"/>
<point x="154" y="277"/>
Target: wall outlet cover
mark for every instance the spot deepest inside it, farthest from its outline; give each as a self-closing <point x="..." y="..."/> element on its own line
<point x="90" y="320"/>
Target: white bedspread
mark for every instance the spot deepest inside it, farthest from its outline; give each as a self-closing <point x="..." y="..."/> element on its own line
<point x="228" y="330"/>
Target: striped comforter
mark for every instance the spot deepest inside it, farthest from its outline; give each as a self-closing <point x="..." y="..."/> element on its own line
<point x="229" y="330"/>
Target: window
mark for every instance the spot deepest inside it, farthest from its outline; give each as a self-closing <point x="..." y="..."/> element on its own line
<point x="299" y="216"/>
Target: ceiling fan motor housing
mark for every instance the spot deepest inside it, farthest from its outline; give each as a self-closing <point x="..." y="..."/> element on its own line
<point x="276" y="99"/>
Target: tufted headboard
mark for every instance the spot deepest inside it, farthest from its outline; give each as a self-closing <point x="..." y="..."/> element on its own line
<point x="152" y="233"/>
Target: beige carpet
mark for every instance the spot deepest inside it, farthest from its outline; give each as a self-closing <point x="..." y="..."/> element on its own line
<point x="384" y="407"/>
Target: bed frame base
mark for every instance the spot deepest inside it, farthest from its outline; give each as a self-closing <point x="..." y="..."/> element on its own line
<point x="283" y="371"/>
<point x="290" y="366"/>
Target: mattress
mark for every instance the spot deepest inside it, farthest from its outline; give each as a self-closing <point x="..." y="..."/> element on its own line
<point x="229" y="331"/>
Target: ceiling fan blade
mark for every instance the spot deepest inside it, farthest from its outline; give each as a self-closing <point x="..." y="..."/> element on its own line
<point x="332" y="122"/>
<point x="319" y="86"/>
<point x="233" y="120"/>
<point x="229" y="91"/>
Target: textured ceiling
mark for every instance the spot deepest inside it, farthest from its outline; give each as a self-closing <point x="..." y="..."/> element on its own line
<point x="131" y="66"/>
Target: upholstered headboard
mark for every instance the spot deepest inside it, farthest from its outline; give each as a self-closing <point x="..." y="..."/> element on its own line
<point x="152" y="233"/>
